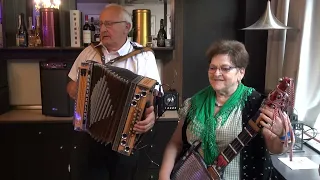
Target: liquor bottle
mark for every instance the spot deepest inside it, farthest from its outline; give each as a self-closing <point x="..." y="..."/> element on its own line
<point x="86" y="32"/>
<point x="92" y="29"/>
<point x="97" y="35"/>
<point x="1" y="33"/>
<point x="162" y="35"/>
<point x="31" y="37"/>
<point x="23" y="33"/>
<point x="18" y="31"/>
<point x="37" y="32"/>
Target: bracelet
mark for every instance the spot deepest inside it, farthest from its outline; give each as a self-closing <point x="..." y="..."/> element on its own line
<point x="284" y="137"/>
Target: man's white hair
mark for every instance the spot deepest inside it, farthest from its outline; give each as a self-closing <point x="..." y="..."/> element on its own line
<point x="125" y="15"/>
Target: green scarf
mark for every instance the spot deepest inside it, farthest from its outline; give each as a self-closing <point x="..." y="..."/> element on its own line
<point x="202" y="111"/>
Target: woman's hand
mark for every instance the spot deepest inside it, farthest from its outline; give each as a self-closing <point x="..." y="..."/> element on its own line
<point x="273" y="129"/>
<point x="275" y="126"/>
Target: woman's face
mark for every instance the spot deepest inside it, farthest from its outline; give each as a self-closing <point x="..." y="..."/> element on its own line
<point x="223" y="75"/>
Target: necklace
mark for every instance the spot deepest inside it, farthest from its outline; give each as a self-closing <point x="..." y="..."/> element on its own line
<point x="216" y="104"/>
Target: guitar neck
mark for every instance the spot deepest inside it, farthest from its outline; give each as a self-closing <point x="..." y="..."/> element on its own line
<point x="235" y="147"/>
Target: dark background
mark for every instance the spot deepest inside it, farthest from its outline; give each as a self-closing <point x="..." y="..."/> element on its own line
<point x="212" y="20"/>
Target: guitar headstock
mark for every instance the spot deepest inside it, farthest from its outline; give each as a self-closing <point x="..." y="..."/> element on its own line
<point x="283" y="96"/>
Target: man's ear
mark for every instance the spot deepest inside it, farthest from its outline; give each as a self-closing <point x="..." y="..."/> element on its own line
<point x="128" y="26"/>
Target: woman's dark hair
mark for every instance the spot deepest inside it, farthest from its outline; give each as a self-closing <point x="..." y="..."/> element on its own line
<point x="235" y="49"/>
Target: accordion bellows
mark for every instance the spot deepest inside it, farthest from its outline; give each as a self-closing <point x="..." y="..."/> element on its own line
<point x="110" y="100"/>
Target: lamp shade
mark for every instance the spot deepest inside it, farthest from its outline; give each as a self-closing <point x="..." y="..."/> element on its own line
<point x="267" y="22"/>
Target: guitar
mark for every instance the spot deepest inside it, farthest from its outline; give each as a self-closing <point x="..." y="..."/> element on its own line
<point x="280" y="100"/>
<point x="192" y="167"/>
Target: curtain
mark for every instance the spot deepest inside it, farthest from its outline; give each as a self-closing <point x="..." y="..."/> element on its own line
<point x="295" y="53"/>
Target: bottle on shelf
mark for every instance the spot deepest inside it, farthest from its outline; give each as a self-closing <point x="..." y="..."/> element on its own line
<point x="162" y="35"/>
<point x="18" y="31"/>
<point x="86" y="32"/>
<point x="1" y="33"/>
<point x="97" y="35"/>
<point x="37" y="32"/>
<point x="31" y="37"/>
<point x="92" y="29"/>
<point x="23" y="33"/>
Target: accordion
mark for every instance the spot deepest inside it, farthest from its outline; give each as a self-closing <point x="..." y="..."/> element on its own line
<point x="110" y="100"/>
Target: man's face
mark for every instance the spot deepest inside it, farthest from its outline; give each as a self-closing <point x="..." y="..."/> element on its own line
<point x="113" y="28"/>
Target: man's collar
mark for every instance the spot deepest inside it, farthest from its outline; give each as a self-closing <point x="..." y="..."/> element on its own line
<point x="122" y="51"/>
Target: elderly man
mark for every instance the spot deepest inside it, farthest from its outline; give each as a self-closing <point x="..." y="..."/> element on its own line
<point x="92" y="160"/>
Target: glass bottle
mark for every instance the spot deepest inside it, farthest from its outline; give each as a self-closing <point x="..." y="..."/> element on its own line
<point x="162" y="35"/>
<point x="23" y="33"/>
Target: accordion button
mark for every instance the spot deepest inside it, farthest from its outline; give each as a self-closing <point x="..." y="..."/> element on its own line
<point x="61" y="147"/>
<point x="143" y="93"/>
<point x="137" y="96"/>
<point x="133" y="103"/>
<point x="74" y="147"/>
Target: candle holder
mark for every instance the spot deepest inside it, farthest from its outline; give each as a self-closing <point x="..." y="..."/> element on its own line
<point x="49" y="18"/>
<point x="49" y="21"/>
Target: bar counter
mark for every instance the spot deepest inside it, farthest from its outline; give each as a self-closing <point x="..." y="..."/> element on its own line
<point x="38" y="147"/>
<point x="36" y="116"/>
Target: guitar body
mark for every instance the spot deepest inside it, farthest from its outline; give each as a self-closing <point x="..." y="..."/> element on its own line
<point x="192" y="167"/>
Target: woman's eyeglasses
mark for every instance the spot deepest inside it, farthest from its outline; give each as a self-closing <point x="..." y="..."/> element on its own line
<point x="222" y="69"/>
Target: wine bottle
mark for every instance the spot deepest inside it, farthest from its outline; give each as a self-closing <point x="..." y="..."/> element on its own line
<point x="37" y="32"/>
<point x="92" y="29"/>
<point x="23" y="33"/>
<point x="162" y="35"/>
<point x="18" y="31"/>
<point x="86" y="32"/>
<point x="97" y="35"/>
<point x="1" y="33"/>
<point x="31" y="37"/>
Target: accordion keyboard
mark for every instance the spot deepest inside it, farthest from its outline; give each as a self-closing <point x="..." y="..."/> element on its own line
<point x="110" y="100"/>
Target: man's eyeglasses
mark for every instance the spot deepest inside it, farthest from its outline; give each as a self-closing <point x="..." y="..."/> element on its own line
<point x="109" y="23"/>
<point x="222" y="69"/>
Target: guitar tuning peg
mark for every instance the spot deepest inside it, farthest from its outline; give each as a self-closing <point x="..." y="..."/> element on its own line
<point x="280" y="79"/>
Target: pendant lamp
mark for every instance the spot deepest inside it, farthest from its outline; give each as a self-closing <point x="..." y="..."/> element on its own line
<point x="267" y="22"/>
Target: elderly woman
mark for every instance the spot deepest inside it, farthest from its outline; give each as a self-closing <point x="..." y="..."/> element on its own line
<point x="218" y="113"/>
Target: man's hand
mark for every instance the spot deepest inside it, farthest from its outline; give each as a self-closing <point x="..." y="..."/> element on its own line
<point x="146" y="124"/>
<point x="72" y="89"/>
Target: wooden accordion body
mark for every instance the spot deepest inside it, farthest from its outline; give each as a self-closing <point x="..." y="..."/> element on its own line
<point x="110" y="100"/>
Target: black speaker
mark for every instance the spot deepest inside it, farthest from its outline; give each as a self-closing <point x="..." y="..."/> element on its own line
<point x="54" y="97"/>
<point x="4" y="100"/>
<point x="171" y="100"/>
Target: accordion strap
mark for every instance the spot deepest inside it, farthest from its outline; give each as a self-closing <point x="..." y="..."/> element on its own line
<point x="137" y="50"/>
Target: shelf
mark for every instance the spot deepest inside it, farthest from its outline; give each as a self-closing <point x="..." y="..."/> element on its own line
<point x="62" y="53"/>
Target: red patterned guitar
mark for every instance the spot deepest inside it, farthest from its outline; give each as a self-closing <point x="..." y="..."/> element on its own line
<point x="281" y="100"/>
